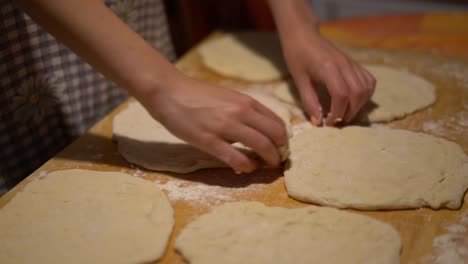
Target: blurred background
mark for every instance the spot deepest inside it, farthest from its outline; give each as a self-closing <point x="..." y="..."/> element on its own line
<point x="193" y="20"/>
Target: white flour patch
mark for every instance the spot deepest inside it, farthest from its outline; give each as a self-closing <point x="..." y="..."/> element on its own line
<point x="42" y="174"/>
<point x="451" y="247"/>
<point x="456" y="229"/>
<point x="456" y="124"/>
<point x="138" y="173"/>
<point x="202" y="194"/>
<point x="455" y="70"/>
<point x="435" y="127"/>
<point x="199" y="193"/>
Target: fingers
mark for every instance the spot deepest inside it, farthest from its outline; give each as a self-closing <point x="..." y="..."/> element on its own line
<point x="362" y="86"/>
<point x="225" y="152"/>
<point x="253" y="139"/>
<point x="271" y="126"/>
<point x="309" y="99"/>
<point x="358" y="91"/>
<point x="268" y="113"/>
<point x="339" y="93"/>
<point x="350" y="87"/>
<point x="242" y="122"/>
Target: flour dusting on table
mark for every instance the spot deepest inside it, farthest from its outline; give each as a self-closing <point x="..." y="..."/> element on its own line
<point x="202" y="194"/>
<point x="451" y="247"/>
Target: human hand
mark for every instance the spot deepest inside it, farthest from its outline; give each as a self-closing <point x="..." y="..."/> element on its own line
<point x="211" y="118"/>
<point x="313" y="60"/>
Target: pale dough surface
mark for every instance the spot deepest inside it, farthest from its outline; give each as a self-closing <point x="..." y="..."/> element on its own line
<point x="398" y="93"/>
<point x="147" y="143"/>
<point x="80" y="216"/>
<point x="376" y="168"/>
<point x="250" y="232"/>
<point x="248" y="56"/>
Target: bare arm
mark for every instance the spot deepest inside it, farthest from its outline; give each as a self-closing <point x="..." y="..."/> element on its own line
<point x="312" y="60"/>
<point x="205" y="116"/>
<point x="92" y="31"/>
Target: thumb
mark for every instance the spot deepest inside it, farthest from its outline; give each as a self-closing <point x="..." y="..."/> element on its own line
<point x="309" y="99"/>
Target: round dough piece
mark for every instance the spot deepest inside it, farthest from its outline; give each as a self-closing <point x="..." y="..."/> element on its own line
<point x="147" y="143"/>
<point x="249" y="232"/>
<point x="81" y="216"/>
<point x="375" y="168"/>
<point x="251" y="56"/>
<point x="397" y="94"/>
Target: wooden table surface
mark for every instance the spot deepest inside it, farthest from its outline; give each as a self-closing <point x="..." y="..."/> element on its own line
<point x="427" y="235"/>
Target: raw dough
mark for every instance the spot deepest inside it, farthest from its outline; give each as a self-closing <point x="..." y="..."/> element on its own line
<point x="80" y="216"/>
<point x="252" y="56"/>
<point x="249" y="232"/>
<point x="376" y="168"/>
<point x="147" y="143"/>
<point x="397" y="94"/>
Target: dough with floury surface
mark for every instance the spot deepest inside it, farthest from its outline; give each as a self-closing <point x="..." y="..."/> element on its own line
<point x="375" y="168"/>
<point x="250" y="56"/>
<point x="397" y="94"/>
<point x="146" y="142"/>
<point x="250" y="232"/>
<point x="82" y="216"/>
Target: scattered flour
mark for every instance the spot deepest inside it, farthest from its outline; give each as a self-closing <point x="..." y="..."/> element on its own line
<point x="198" y="193"/>
<point x="451" y="247"/>
<point x="456" y="229"/>
<point x="42" y="174"/>
<point x="457" y="71"/>
<point x="201" y="194"/>
<point x="456" y="124"/>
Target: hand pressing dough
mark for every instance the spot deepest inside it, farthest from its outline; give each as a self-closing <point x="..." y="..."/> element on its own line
<point x="249" y="232"/>
<point x="398" y="93"/>
<point x="251" y="56"/>
<point x="147" y="143"/>
<point x="375" y="168"/>
<point x="81" y="216"/>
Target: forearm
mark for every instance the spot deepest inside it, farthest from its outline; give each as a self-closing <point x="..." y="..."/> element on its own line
<point x="293" y="16"/>
<point x="93" y="32"/>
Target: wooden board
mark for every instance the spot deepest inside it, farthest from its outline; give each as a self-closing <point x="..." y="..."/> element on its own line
<point x="196" y="193"/>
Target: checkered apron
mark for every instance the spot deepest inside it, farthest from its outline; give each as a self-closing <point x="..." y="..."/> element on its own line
<point x="48" y="95"/>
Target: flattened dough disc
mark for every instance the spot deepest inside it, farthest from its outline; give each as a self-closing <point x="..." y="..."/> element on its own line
<point x="251" y="56"/>
<point x="376" y="168"/>
<point x="249" y="232"/>
<point x="81" y="216"/>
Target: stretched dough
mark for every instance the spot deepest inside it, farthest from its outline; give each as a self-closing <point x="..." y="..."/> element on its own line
<point x="80" y="216"/>
<point x="147" y="143"/>
<point x="252" y="56"/>
<point x="397" y="94"/>
<point x="249" y="232"/>
<point x="375" y="168"/>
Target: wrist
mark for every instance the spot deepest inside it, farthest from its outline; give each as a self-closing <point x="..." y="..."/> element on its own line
<point x="294" y="17"/>
<point x="150" y="85"/>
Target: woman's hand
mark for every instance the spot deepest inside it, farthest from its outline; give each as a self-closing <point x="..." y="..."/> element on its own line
<point x="205" y="116"/>
<point x="211" y="118"/>
<point x="313" y="60"/>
